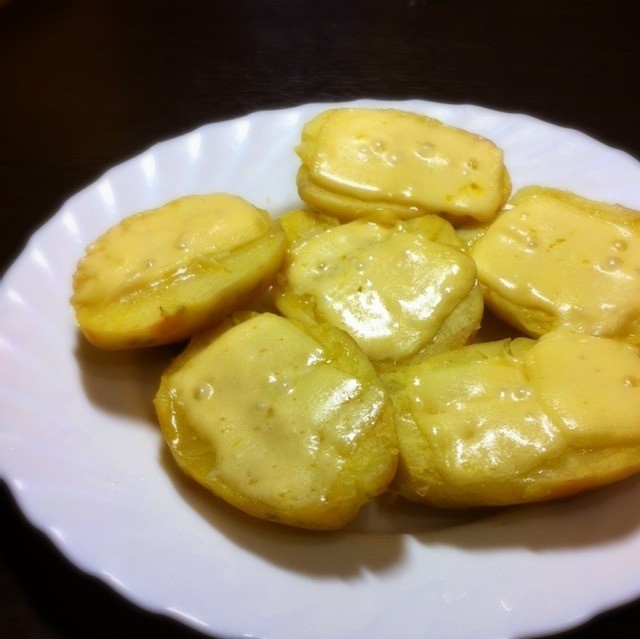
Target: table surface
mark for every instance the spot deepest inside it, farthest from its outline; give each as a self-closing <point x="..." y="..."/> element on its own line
<point x="88" y="84"/>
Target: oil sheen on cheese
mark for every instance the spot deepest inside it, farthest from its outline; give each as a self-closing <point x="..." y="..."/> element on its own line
<point x="403" y="158"/>
<point x="482" y="420"/>
<point x="500" y="415"/>
<point x="591" y="384"/>
<point x="547" y="253"/>
<point x="389" y="288"/>
<point x="280" y="418"/>
<point x="149" y="248"/>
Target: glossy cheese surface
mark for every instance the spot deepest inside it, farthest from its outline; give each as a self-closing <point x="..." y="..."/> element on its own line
<point x="592" y="385"/>
<point x="147" y="249"/>
<point x="390" y="288"/>
<point x="162" y="275"/>
<point x="278" y="419"/>
<point x="515" y="421"/>
<point x="554" y="255"/>
<point x="277" y="405"/>
<point x="402" y="158"/>
<point x="482" y="420"/>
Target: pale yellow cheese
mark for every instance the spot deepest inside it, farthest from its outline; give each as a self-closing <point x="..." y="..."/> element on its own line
<point x="280" y="419"/>
<point x="552" y="254"/>
<point x="163" y="275"/>
<point x="400" y="158"/>
<point x="591" y="385"/>
<point x="390" y="288"/>
<point x="482" y="420"/>
<point x="146" y="249"/>
<point x="518" y="420"/>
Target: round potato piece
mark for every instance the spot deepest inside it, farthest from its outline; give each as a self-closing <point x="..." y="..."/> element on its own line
<point x="358" y="162"/>
<point x="402" y="290"/>
<point x="288" y="424"/>
<point x="517" y="421"/>
<point x="162" y="275"/>
<point x="554" y="259"/>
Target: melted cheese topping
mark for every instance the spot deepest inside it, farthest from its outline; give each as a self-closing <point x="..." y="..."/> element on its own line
<point x="482" y="420"/>
<point x="395" y="156"/>
<point x="583" y="269"/>
<point x="390" y="289"/>
<point x="591" y="384"/>
<point x="280" y="418"/>
<point x="147" y="249"/>
<point x="491" y="415"/>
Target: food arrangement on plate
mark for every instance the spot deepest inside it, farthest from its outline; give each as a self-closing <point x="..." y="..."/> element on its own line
<point x="333" y="353"/>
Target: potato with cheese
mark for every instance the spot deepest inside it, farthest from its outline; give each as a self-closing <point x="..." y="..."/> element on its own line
<point x="402" y="290"/>
<point x="162" y="275"/>
<point x="356" y="162"/>
<point x="555" y="259"/>
<point x="287" y="423"/>
<point x="517" y="420"/>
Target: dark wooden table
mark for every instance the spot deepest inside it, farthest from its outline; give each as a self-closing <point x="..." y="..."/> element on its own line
<point x="86" y="84"/>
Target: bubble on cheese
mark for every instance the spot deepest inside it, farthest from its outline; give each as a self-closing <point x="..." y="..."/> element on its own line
<point x="591" y="385"/>
<point x="552" y="253"/>
<point x="397" y="157"/>
<point x="482" y="420"/>
<point x="494" y="412"/>
<point x="389" y="288"/>
<point x="148" y="249"/>
<point x="281" y="419"/>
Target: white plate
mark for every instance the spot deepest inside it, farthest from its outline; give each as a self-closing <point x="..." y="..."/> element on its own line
<point x="81" y="452"/>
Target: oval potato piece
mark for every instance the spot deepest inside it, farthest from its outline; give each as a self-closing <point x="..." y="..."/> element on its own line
<point x="402" y="290"/>
<point x="358" y="162"/>
<point x="517" y="421"/>
<point x="162" y="275"/>
<point x="555" y="259"/>
<point x="286" y="423"/>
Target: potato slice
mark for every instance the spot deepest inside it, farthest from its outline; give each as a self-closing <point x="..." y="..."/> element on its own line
<point x="555" y="259"/>
<point x="288" y="424"/>
<point x="401" y="290"/>
<point x="517" y="421"/>
<point x="162" y="275"/>
<point x="357" y="162"/>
